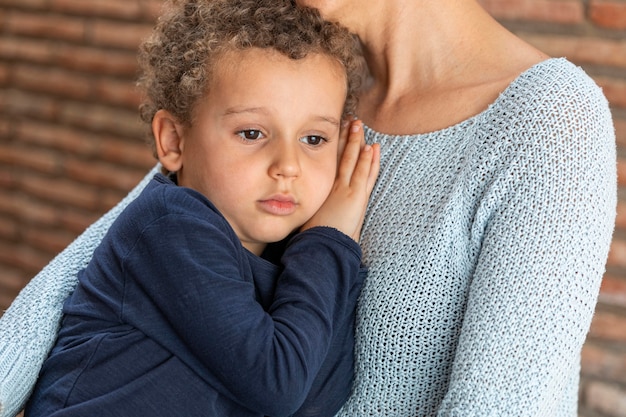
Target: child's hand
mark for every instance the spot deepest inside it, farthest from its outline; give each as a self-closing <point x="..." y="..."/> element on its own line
<point x="344" y="208"/>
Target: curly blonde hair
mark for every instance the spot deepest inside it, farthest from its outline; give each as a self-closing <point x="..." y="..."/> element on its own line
<point x="177" y="60"/>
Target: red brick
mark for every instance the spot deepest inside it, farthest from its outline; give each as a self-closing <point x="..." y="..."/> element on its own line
<point x="608" y="14"/>
<point x="57" y="137"/>
<point x="8" y="228"/>
<point x="6" y="154"/>
<point x="620" y="220"/>
<point x="601" y="362"/>
<point x="5" y="74"/>
<point x="11" y="282"/>
<point x="608" y="326"/>
<point x="100" y="118"/>
<point x="120" y="9"/>
<point x="553" y="11"/>
<point x="11" y="279"/>
<point x="25" y="211"/>
<point x="4" y="100"/>
<point x="48" y="240"/>
<point x="46" y="26"/>
<point x="617" y="254"/>
<point x="581" y="50"/>
<point x="6" y="129"/>
<point x="621" y="171"/>
<point x="613" y="291"/>
<point x="23" y="257"/>
<point x="40" y="160"/>
<point x="118" y="93"/>
<point x="608" y="399"/>
<point x="109" y="62"/>
<point x="620" y="132"/>
<point x="152" y="9"/>
<point x="56" y="82"/>
<point x="28" y="210"/>
<point x="110" y="198"/>
<point x="136" y="154"/>
<point x="35" y="106"/>
<point x="6" y="298"/>
<point x="8" y="178"/>
<point x="31" y="4"/>
<point x="8" y="204"/>
<point x="20" y="49"/>
<point x="117" y="34"/>
<point x="61" y="191"/>
<point x="614" y="90"/>
<point x="101" y="174"/>
<point x="76" y="221"/>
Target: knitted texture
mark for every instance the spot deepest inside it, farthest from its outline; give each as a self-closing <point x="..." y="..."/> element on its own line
<point x="29" y="327"/>
<point x="486" y="244"/>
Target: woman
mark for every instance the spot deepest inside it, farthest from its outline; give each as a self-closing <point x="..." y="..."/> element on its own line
<point x="487" y="232"/>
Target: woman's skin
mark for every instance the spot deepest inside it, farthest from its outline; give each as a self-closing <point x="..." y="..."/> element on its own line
<point x="431" y="63"/>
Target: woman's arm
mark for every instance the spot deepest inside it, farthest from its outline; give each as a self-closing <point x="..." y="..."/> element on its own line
<point x="547" y="233"/>
<point x="29" y="327"/>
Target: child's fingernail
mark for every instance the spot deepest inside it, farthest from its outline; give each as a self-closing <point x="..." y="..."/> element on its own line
<point x="355" y="127"/>
<point x="367" y="148"/>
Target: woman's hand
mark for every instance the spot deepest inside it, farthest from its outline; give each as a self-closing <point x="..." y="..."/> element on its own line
<point x="344" y="209"/>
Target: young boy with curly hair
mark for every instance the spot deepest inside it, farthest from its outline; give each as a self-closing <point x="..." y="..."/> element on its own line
<point x="228" y="287"/>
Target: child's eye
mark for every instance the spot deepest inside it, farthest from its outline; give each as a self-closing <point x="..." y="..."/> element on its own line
<point x="313" y="140"/>
<point x="250" y="134"/>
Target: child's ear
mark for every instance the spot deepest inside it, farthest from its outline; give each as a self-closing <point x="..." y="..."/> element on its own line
<point x="168" y="133"/>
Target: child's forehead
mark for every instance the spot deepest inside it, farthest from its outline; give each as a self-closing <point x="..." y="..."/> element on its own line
<point x="260" y="77"/>
<point x="233" y="61"/>
<point x="249" y="77"/>
<point x="231" y="58"/>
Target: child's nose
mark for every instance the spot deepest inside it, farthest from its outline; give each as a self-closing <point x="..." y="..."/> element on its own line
<point x="286" y="163"/>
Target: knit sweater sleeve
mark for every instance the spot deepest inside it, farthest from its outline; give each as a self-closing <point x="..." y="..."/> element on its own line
<point x="29" y="327"/>
<point x="545" y="223"/>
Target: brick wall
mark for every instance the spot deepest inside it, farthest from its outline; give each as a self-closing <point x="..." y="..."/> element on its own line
<point x="70" y="138"/>
<point x="71" y="143"/>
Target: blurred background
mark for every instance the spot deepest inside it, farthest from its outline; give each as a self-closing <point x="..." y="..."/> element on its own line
<point x="71" y="144"/>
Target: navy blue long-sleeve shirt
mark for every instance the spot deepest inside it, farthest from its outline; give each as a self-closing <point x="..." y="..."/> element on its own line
<point x="174" y="317"/>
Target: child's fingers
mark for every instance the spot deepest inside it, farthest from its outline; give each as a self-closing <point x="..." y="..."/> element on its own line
<point x="343" y="137"/>
<point x="351" y="152"/>
<point x="374" y="168"/>
<point x="363" y="169"/>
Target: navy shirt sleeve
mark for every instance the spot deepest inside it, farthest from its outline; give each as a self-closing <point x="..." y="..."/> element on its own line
<point x="264" y="360"/>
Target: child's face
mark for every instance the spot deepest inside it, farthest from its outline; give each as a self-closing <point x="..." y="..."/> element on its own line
<point x="263" y="143"/>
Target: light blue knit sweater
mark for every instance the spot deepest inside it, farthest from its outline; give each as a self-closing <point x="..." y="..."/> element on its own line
<point x="486" y="243"/>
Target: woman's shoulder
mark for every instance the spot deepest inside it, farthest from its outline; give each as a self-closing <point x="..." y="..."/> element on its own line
<point x="553" y="83"/>
<point x="554" y="99"/>
<point x="552" y="109"/>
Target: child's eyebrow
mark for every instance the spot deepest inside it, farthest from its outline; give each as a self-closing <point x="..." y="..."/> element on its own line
<point x="331" y="120"/>
<point x="261" y="110"/>
<point x="239" y="110"/>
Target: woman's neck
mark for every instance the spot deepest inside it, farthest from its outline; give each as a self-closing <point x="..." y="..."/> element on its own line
<point x="433" y="64"/>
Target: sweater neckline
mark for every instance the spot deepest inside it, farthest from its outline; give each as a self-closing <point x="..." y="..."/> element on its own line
<point x="370" y="132"/>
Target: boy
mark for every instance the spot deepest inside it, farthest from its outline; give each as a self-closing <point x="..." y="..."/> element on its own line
<point x="181" y="311"/>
